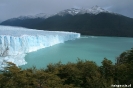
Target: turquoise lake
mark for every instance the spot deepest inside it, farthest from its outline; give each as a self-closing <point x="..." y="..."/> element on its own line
<point x="93" y="48"/>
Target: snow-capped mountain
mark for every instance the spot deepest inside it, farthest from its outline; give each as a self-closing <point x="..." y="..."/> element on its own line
<point x="40" y="15"/>
<point x="26" y="21"/>
<point x="93" y="21"/>
<point x="73" y="11"/>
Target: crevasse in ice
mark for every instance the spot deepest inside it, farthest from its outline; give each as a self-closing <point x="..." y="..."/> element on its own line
<point x="15" y="42"/>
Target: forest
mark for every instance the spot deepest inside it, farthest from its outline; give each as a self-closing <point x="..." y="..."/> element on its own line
<point x="82" y="74"/>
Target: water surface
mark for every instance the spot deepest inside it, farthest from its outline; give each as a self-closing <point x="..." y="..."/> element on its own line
<point x="92" y="48"/>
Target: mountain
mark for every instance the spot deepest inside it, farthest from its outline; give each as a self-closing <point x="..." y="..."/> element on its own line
<point x="94" y="21"/>
<point x="73" y="11"/>
<point x="25" y="21"/>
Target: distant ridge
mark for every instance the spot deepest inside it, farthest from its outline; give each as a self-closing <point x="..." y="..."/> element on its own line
<point x="93" y="21"/>
<point x="74" y="11"/>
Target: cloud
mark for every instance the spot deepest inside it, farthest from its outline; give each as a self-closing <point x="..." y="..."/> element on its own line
<point x="14" y="8"/>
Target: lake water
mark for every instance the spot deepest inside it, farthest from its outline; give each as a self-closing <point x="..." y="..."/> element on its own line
<point x="93" y="48"/>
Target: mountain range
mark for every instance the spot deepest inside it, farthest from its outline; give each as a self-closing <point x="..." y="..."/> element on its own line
<point x="91" y="21"/>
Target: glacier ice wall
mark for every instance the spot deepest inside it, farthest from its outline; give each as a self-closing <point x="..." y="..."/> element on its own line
<point x="15" y="42"/>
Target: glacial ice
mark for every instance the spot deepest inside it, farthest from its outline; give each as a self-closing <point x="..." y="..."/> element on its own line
<point x="15" y="42"/>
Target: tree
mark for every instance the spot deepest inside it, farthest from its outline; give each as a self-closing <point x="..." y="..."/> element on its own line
<point x="124" y="67"/>
<point x="108" y="72"/>
<point x="86" y="74"/>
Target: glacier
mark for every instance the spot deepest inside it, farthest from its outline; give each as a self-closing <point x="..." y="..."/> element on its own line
<point x="15" y="42"/>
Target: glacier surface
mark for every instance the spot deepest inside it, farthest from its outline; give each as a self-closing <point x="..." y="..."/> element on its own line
<point x="15" y="42"/>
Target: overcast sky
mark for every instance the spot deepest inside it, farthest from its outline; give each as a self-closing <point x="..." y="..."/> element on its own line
<point x="15" y="8"/>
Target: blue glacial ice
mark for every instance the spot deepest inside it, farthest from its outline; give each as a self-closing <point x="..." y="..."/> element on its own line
<point x="15" y="42"/>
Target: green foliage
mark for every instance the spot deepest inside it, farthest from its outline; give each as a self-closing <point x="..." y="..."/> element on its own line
<point x="82" y="74"/>
<point x="125" y="67"/>
<point x="126" y="57"/>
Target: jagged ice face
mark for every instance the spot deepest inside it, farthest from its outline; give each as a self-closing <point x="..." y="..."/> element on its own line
<point x="15" y="42"/>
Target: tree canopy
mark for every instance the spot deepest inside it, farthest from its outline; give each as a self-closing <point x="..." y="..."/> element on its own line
<point x="82" y="74"/>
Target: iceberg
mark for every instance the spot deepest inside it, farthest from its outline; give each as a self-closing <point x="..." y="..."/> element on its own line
<point x="15" y="42"/>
